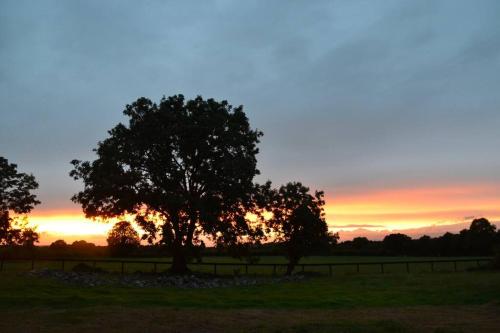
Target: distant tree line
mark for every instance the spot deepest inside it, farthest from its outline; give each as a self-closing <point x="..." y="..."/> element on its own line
<point x="481" y="239"/>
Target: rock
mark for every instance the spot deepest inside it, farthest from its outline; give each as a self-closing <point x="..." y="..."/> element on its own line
<point x="143" y="280"/>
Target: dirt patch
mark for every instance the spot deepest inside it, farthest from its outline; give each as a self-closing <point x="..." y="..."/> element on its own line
<point x="477" y="319"/>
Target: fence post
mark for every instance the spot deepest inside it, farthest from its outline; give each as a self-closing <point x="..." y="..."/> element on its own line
<point x="407" y="267"/>
<point x="382" y="268"/>
<point x="432" y="266"/>
<point x="32" y="264"/>
<point x="357" y="268"/>
<point x="154" y="267"/>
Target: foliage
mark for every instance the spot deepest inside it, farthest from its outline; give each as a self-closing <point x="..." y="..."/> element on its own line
<point x="82" y="244"/>
<point x="29" y="237"/>
<point x="59" y="244"/>
<point x="298" y="221"/>
<point x="480" y="237"/>
<point x="479" y="240"/>
<point x="397" y="244"/>
<point x="16" y="198"/>
<point x="183" y="168"/>
<point x="123" y="238"/>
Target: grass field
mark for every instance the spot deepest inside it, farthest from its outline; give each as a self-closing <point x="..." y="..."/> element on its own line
<point x="347" y="302"/>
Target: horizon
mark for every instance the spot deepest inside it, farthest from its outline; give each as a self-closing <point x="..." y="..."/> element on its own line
<point x="98" y="233"/>
<point x="345" y="235"/>
<point x="391" y="108"/>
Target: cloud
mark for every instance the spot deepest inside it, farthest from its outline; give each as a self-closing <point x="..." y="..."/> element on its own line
<point x="430" y="230"/>
<point x="358" y="226"/>
<point x="349" y="94"/>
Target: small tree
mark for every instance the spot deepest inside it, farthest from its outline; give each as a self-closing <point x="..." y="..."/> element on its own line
<point x="482" y="226"/>
<point x="29" y="237"/>
<point x="479" y="239"/>
<point x="122" y="238"/>
<point x="397" y="244"/>
<point x="59" y="244"/>
<point x="59" y="247"/>
<point x="360" y="243"/>
<point x="83" y="248"/>
<point x="16" y="198"/>
<point x="183" y="169"/>
<point x="298" y="221"/>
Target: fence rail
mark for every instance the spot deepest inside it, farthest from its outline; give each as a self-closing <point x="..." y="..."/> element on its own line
<point x="330" y="266"/>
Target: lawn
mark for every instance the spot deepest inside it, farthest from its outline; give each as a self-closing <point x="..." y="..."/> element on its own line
<point x="342" y="291"/>
<point x="392" y="302"/>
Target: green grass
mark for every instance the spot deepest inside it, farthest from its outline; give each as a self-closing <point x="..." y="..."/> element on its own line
<point x="440" y="302"/>
<point x="343" y="291"/>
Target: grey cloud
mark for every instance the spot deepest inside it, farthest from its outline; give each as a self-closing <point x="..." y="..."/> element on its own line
<point x="347" y="93"/>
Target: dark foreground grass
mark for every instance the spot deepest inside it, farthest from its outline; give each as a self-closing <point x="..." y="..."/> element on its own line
<point x="439" y="302"/>
<point x="442" y="319"/>
<point x="344" y="291"/>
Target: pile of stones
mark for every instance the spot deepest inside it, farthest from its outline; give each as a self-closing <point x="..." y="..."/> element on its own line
<point x="148" y="280"/>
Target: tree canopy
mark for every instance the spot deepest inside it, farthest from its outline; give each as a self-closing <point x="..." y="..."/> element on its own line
<point x="397" y="243"/>
<point x="123" y="238"/>
<point x="298" y="221"/>
<point x="183" y="168"/>
<point x="16" y="198"/>
<point x="59" y="244"/>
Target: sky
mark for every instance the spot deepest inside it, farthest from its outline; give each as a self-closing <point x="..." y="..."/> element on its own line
<point x="391" y="107"/>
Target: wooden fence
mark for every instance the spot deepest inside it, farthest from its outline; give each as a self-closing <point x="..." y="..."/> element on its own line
<point x="4" y="263"/>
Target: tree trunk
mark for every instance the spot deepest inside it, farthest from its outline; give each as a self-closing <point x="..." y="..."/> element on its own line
<point x="179" y="262"/>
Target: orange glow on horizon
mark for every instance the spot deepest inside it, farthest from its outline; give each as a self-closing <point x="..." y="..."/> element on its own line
<point x="378" y="210"/>
<point x="69" y="225"/>
<point x="397" y="209"/>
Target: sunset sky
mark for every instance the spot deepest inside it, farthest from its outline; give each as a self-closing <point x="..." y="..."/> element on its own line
<point x="391" y="107"/>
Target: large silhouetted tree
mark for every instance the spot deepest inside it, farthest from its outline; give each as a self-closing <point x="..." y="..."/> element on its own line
<point x="298" y="221"/>
<point x="183" y="168"/>
<point x="16" y="198"/>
